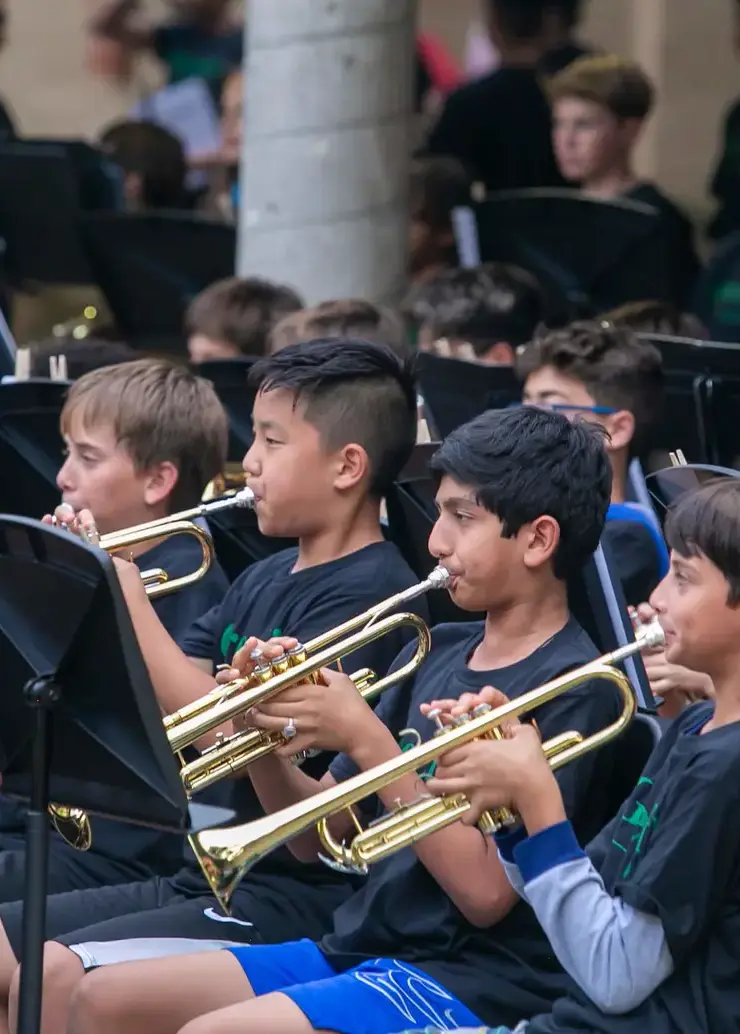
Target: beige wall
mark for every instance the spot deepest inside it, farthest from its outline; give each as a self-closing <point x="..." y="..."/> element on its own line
<point x="685" y="45"/>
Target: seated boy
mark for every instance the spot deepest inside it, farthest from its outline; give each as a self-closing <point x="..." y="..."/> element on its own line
<point x="481" y="315"/>
<point x="522" y="497"/>
<point x="645" y="920"/>
<point x="608" y="375"/>
<point x="600" y="106"/>
<point x="333" y="428"/>
<point x="143" y="439"/>
<point x="343" y="318"/>
<point x="437" y="187"/>
<point x="235" y="317"/>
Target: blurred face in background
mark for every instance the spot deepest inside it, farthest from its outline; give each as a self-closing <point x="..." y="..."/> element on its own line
<point x="232" y="118"/>
<point x="589" y="141"/>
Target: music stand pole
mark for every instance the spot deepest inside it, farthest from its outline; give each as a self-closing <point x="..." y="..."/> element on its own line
<point x="40" y="694"/>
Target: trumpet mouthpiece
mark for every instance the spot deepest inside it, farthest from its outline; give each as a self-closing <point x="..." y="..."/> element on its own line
<point x="439" y="577"/>
<point x="244" y="498"/>
<point x="651" y="635"/>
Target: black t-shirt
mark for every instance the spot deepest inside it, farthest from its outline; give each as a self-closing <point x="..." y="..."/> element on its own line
<point x="683" y="261"/>
<point x="269" y="600"/>
<point x="118" y="847"/>
<point x="674" y="852"/>
<point x="402" y="912"/>
<point x="499" y="127"/>
<point x="639" y="552"/>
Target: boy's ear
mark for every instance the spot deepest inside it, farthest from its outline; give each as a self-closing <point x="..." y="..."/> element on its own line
<point x="542" y="539"/>
<point x="160" y="482"/>
<point x="621" y="428"/>
<point x="353" y="464"/>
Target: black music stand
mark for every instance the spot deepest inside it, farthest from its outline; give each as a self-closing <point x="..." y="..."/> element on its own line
<point x="31" y="446"/>
<point x="151" y="265"/>
<point x="64" y="739"/>
<point x="455" y="391"/>
<point x="230" y="378"/>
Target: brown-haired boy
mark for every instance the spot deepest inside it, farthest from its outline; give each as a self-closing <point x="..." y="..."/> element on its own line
<point x="346" y="318"/>
<point x="142" y="441"/>
<point x="234" y="317"/>
<point x="600" y="106"/>
<point x="606" y="374"/>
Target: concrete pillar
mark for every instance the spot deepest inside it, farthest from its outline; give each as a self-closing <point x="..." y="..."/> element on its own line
<point x="329" y="90"/>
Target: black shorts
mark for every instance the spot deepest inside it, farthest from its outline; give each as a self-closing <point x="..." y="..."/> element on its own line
<point x="133" y="921"/>
<point x="160" y="917"/>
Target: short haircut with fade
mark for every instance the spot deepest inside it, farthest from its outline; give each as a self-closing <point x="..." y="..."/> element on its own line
<point x="525" y="463"/>
<point x="347" y="318"/>
<point x="241" y="312"/>
<point x="494" y="302"/>
<point x="159" y="412"/>
<point x="351" y="391"/>
<point x="618" y="85"/>
<point x="617" y="368"/>
<point x="707" y="523"/>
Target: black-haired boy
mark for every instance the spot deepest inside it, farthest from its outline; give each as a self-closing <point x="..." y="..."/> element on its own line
<point x="435" y="932"/>
<point x="333" y="426"/>
<point x="646" y="920"/>
<point x="598" y="372"/>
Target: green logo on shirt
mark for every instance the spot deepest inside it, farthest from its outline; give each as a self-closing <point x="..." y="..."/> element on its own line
<point x="642" y="822"/>
<point x="409" y="738"/>
<point x="231" y="641"/>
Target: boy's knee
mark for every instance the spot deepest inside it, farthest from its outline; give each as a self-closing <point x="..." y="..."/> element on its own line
<point x="62" y="971"/>
<point x="93" y="1004"/>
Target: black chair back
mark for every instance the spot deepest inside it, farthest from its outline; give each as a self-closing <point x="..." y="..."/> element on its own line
<point x="31" y="446"/>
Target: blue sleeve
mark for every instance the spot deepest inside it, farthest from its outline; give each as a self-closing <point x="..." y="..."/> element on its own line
<point x="204" y="638"/>
<point x="180" y="611"/>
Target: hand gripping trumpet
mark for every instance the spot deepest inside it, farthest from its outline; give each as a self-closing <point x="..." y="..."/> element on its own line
<point x="225" y="855"/>
<point x="73" y="824"/>
<point x="157" y="581"/>
<point x="232" y="754"/>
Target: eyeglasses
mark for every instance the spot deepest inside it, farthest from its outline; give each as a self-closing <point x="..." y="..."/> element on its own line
<point x="566" y="407"/>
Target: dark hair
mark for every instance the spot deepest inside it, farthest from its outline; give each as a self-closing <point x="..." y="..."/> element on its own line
<point x="707" y="522"/>
<point x="82" y="356"/>
<point x="352" y="391"/>
<point x="344" y="318"/>
<point x="526" y="462"/>
<point x="617" y="368"/>
<point x="495" y="302"/>
<point x="241" y="312"/>
<point x="437" y="186"/>
<point x="655" y="317"/>
<point x="524" y="19"/>
<point x="618" y="85"/>
<point x="152" y="152"/>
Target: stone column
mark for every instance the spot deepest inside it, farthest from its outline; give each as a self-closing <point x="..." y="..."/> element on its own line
<point x="329" y="88"/>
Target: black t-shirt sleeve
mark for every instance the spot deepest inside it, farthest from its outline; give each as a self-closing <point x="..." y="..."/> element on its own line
<point x="692" y="859"/>
<point x="636" y="559"/>
<point x="201" y="638"/>
<point x="391" y="709"/>
<point x="585" y="710"/>
<point x="453" y="134"/>
<point x="179" y="611"/>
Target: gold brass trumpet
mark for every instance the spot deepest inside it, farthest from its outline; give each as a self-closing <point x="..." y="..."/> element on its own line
<point x="226" y="855"/>
<point x="156" y="580"/>
<point x="234" y="753"/>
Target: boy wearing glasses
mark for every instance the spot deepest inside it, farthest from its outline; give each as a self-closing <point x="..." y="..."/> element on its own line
<point x="598" y="372"/>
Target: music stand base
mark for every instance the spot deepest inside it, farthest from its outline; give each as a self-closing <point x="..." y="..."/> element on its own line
<point x="40" y="694"/>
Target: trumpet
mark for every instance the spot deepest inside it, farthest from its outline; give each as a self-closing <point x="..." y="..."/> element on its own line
<point x="232" y="754"/>
<point x="225" y="856"/>
<point x="156" y="580"/>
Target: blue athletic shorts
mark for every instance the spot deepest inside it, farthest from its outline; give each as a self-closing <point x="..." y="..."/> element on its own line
<point x="379" y="997"/>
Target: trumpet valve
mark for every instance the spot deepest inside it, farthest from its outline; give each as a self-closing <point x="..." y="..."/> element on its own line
<point x="436" y="716"/>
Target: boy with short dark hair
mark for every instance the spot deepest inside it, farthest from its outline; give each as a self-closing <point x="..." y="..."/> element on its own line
<point x="606" y="374"/>
<point x="437" y="186"/>
<point x="645" y="920"/>
<point x="334" y="425"/>
<point x="522" y="496"/>
<point x="343" y="318"/>
<point x="600" y="106"/>
<point x="152" y="161"/>
<point x="481" y="315"/>
<point x="235" y="317"/>
<point x="142" y="439"/>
